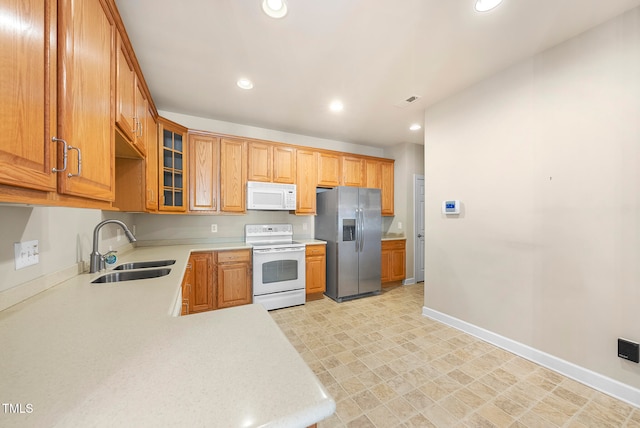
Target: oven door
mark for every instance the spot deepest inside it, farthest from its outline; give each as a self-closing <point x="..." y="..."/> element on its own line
<point x="278" y="269"/>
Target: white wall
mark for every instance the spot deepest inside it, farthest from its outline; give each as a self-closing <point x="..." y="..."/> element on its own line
<point x="177" y="228"/>
<point x="212" y="125"/>
<point x="65" y="238"/>
<point x="545" y="158"/>
<point x="409" y="160"/>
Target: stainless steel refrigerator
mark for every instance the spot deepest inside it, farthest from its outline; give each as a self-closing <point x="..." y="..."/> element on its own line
<point x="349" y="219"/>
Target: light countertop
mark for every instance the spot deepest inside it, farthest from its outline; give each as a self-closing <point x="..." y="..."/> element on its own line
<point x="393" y="237"/>
<point x="84" y="354"/>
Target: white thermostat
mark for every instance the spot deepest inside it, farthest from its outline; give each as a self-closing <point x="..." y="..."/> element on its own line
<point x="451" y="207"/>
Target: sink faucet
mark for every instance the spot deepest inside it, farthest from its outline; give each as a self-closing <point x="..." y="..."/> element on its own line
<point x="96" y="259"/>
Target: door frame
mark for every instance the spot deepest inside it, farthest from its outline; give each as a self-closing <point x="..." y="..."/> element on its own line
<point x="416" y="241"/>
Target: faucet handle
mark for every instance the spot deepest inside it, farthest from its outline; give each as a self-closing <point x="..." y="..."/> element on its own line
<point x="110" y="257"/>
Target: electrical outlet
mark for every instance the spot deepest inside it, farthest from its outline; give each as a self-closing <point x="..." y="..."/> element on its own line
<point x="399" y="225"/>
<point x="133" y="229"/>
<point x="118" y="235"/>
<point x="304" y="226"/>
<point x="26" y="254"/>
<point x="214" y="228"/>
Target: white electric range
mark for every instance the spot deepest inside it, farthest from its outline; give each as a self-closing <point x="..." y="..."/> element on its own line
<point x="278" y="265"/>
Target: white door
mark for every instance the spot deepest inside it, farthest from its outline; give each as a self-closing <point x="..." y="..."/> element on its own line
<point x="419" y="227"/>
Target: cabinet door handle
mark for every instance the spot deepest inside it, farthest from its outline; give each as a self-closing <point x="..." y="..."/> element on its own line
<point x="79" y="162"/>
<point x="65" y="152"/>
<point x="135" y="126"/>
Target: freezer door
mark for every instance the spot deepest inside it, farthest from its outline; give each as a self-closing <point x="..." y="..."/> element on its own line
<point x="347" y="248"/>
<point x="369" y="240"/>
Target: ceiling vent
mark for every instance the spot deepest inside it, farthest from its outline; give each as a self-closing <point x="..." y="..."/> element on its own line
<point x="408" y="101"/>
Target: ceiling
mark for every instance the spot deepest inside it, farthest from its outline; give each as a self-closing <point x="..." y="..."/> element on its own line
<point x="371" y="54"/>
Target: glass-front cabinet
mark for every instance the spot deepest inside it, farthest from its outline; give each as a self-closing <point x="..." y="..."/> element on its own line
<point x="172" y="166"/>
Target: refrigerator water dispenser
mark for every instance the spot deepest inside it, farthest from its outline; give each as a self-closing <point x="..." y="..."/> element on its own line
<point x="349" y="229"/>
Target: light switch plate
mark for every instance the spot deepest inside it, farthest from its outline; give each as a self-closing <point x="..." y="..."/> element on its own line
<point x="26" y="253"/>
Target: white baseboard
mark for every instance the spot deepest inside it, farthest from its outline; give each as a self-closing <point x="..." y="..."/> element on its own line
<point x="409" y="281"/>
<point x="588" y="377"/>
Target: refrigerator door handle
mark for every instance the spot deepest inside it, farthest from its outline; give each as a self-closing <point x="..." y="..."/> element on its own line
<point x="361" y="227"/>
<point x="358" y="233"/>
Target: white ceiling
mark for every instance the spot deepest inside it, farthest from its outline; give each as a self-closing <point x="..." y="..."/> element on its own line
<point x="372" y="54"/>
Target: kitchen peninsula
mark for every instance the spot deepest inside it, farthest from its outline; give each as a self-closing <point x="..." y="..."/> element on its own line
<point x="82" y="354"/>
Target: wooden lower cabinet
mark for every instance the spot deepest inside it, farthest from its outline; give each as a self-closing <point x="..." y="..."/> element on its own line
<point x="187" y="286"/>
<point x="234" y="278"/>
<point x="217" y="279"/>
<point x="393" y="262"/>
<point x="315" y="271"/>
<point x="201" y="296"/>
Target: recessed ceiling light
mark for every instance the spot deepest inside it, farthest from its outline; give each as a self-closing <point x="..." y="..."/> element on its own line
<point x="274" y="8"/>
<point x="415" y="127"/>
<point x="245" y="83"/>
<point x="486" y="5"/>
<point x="336" y="106"/>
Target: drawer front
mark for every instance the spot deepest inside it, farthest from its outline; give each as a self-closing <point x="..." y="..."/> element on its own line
<point x="393" y="245"/>
<point x="234" y="256"/>
<point x="315" y="250"/>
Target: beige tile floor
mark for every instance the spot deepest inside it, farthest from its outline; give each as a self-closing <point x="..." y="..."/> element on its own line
<point x="388" y="366"/>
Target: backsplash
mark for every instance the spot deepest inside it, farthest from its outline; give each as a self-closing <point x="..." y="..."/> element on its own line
<point x="176" y="228"/>
<point x="64" y="237"/>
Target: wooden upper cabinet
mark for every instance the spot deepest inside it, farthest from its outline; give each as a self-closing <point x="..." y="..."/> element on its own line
<point x="270" y="162"/>
<point x="379" y="175"/>
<point x="86" y="44"/>
<point x="328" y="170"/>
<point x="203" y="172"/>
<point x="307" y="173"/>
<point x="373" y="174"/>
<point x="284" y="164"/>
<point x="387" y="187"/>
<point x="172" y="166"/>
<point x="233" y="175"/>
<point x="142" y="111"/>
<point x="151" y="164"/>
<point x="260" y="156"/>
<point x="131" y="102"/>
<point x="125" y="91"/>
<point x="352" y="171"/>
<point x="28" y="88"/>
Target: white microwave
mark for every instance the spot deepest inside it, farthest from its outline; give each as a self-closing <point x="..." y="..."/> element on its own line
<point x="271" y="196"/>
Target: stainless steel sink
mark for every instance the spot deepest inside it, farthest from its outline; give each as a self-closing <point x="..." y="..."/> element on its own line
<point x="140" y="265"/>
<point x="130" y="275"/>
